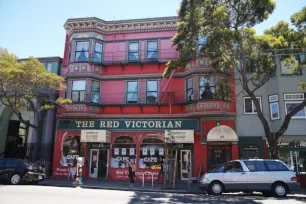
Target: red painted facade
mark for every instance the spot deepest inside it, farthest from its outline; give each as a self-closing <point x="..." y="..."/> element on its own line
<point x="170" y="100"/>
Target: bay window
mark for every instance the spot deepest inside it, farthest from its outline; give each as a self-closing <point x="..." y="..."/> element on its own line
<point x="189" y="89"/>
<point x="82" y="51"/>
<point x="95" y="92"/>
<point x="98" y="53"/>
<point x="78" y="91"/>
<point x="207" y="87"/>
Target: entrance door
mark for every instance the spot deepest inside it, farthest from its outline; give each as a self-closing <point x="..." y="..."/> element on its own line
<point x="93" y="171"/>
<point x="185" y="164"/>
<point x="103" y="163"/>
<point x="98" y="163"/>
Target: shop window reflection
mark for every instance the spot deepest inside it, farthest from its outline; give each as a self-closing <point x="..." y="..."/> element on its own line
<point x="151" y="150"/>
<point x="124" y="148"/>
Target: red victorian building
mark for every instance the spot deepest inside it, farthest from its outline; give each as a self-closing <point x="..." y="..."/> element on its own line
<point x="123" y="108"/>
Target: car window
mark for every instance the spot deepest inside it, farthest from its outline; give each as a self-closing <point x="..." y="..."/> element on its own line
<point x="11" y="163"/>
<point x="276" y="166"/>
<point x="219" y="169"/>
<point x="1" y="162"/>
<point x="255" y="165"/>
<point x="233" y="167"/>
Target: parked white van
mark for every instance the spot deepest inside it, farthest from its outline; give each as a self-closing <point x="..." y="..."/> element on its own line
<point x="272" y="177"/>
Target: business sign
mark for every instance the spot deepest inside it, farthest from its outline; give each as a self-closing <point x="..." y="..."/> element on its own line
<point x="129" y="124"/>
<point x="179" y="136"/>
<point x="102" y="136"/>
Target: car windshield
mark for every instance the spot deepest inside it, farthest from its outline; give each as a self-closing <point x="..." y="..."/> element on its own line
<point x="217" y="169"/>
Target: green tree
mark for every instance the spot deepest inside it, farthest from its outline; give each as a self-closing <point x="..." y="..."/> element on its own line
<point x="27" y="84"/>
<point x="232" y="43"/>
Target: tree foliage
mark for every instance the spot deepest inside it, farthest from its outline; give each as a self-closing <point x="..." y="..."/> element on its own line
<point x="27" y="84"/>
<point x="232" y="44"/>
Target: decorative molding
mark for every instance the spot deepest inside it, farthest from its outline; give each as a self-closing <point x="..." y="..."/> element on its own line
<point x="75" y="108"/>
<point x="84" y="68"/>
<point x="82" y="35"/>
<point x="189" y="107"/>
<point x="93" y="109"/>
<point x="96" y="69"/>
<point x="76" y="68"/>
<point x="208" y="106"/>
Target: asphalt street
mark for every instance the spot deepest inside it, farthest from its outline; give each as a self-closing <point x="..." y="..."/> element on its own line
<point x="26" y="194"/>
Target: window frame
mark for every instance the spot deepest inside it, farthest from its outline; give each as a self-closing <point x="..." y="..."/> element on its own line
<point x="271" y="100"/>
<point x="266" y="167"/>
<point x="294" y="99"/>
<point x="79" y="91"/>
<point x="200" y="97"/>
<point x="295" y="102"/>
<point x="253" y="106"/>
<point x="151" y="91"/>
<point x="152" y="59"/>
<point x="127" y="92"/>
<point x="47" y="67"/>
<point x="96" y="92"/>
<point x="128" y="51"/>
<point x="85" y="51"/>
<point x="187" y="89"/>
<point x="101" y="53"/>
<point x="271" y="113"/>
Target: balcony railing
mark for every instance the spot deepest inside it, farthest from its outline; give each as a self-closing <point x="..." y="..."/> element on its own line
<point x="141" y="98"/>
<point x="124" y="57"/>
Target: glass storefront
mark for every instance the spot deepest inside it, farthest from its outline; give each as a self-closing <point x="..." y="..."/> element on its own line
<point x="123" y="149"/>
<point x="293" y="153"/>
<point x="151" y="150"/>
<point x="218" y="155"/>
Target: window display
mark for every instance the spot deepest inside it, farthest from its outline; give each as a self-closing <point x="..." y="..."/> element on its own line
<point x="123" y="149"/>
<point x="70" y="150"/>
<point x="151" y="149"/>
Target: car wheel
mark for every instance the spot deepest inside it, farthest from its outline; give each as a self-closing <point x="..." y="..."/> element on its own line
<point x="279" y="190"/>
<point x="215" y="188"/>
<point x="15" y="179"/>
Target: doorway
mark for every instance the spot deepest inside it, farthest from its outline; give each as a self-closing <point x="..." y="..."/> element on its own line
<point x="98" y="163"/>
<point x="185" y="164"/>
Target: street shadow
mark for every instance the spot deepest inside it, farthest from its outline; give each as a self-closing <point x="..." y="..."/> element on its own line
<point x="145" y="197"/>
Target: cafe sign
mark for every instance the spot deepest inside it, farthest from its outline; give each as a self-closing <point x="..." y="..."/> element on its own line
<point x="101" y="136"/>
<point x="129" y="124"/>
<point x="179" y="136"/>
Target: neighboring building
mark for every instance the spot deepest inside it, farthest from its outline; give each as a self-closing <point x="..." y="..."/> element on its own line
<point x="15" y="139"/>
<point x="277" y="97"/>
<point x="123" y="108"/>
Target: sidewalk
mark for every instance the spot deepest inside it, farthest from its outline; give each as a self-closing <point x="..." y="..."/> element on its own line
<point x="181" y="186"/>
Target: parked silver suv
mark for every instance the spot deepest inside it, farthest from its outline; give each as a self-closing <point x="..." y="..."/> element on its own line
<point x="272" y="177"/>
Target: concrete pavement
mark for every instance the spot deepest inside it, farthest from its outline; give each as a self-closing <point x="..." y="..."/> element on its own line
<point x="27" y="194"/>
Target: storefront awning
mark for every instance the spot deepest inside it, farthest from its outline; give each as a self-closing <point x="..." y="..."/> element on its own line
<point x="222" y="133"/>
<point x="100" y="136"/>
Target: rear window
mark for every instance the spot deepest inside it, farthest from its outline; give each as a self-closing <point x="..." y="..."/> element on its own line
<point x="256" y="166"/>
<point x="276" y="166"/>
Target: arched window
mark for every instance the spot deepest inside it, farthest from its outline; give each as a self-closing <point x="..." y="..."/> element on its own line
<point x="250" y="152"/>
<point x="151" y="150"/>
<point x="124" y="148"/>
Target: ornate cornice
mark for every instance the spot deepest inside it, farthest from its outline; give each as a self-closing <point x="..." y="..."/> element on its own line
<point x="122" y="26"/>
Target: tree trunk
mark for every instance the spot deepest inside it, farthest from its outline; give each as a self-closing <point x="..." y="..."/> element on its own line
<point x="39" y="132"/>
<point x="273" y="147"/>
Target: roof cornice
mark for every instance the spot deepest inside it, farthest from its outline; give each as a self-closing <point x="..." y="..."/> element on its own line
<point x="120" y="26"/>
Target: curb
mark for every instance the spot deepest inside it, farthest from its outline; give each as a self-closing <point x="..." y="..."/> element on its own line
<point x="300" y="196"/>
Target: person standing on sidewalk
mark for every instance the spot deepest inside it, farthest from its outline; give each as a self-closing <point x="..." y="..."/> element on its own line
<point x="132" y="170"/>
<point x="78" y="174"/>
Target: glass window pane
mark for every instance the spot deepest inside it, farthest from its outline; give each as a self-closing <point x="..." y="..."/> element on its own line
<point x="151" y="97"/>
<point x="291" y="106"/>
<point x="133" y="47"/>
<point x="255" y="165"/>
<point x="82" y="95"/>
<point x="78" y="85"/>
<point x="276" y="166"/>
<point x="274" y="110"/>
<point x="233" y="167"/>
<point x="132" y="97"/>
<point x="99" y="47"/>
<point x="133" y="56"/>
<point x="152" y="46"/>
<point x="132" y="86"/>
<point x="95" y="86"/>
<point x="81" y="56"/>
<point x="82" y="46"/>
<point x="75" y="96"/>
<point x="189" y="83"/>
<point x="152" y="55"/>
<point x="151" y="85"/>
<point x="97" y="57"/>
<point x="95" y="96"/>
<point x="248" y="105"/>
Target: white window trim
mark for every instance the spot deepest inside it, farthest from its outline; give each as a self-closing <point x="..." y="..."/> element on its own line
<point x="277" y="110"/>
<point x="296" y="102"/>
<point x="253" y="106"/>
<point x="270" y="98"/>
<point x="294" y="99"/>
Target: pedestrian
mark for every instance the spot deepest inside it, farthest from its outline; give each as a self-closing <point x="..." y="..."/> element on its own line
<point x="78" y="172"/>
<point x="161" y="170"/>
<point x="132" y="170"/>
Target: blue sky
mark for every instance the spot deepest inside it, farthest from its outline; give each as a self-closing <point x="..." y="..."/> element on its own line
<point x="35" y="27"/>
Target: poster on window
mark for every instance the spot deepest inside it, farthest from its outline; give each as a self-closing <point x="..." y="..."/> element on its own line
<point x="161" y="151"/>
<point x="145" y="151"/>
<point x="152" y="151"/>
<point x="132" y="151"/>
<point x="116" y="151"/>
<point x="70" y="149"/>
<point x="123" y="151"/>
